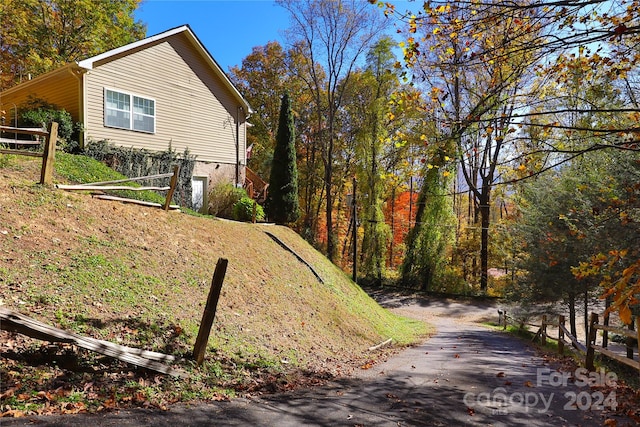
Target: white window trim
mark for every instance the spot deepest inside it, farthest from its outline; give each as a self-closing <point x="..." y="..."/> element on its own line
<point x="131" y="112"/>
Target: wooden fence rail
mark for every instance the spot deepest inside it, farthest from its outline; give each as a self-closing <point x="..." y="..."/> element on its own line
<point x="564" y="337"/>
<point x="16" y="322"/>
<point x="594" y="326"/>
<point x="48" y="154"/>
<point x="109" y="185"/>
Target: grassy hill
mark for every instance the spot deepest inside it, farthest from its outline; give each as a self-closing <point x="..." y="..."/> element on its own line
<point x="140" y="276"/>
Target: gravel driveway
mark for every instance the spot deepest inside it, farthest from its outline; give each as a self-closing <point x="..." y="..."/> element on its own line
<point x="465" y="375"/>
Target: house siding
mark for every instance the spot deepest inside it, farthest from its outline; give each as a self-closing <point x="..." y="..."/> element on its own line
<point x="61" y="88"/>
<point x="194" y="110"/>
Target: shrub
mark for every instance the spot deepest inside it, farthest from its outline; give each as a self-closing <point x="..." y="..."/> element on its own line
<point x="223" y="197"/>
<point x="39" y="113"/>
<point x="244" y="208"/>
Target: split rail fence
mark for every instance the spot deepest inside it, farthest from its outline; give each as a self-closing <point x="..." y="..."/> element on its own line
<point x="48" y="154"/>
<point x="564" y="337"/>
<point x="113" y="185"/>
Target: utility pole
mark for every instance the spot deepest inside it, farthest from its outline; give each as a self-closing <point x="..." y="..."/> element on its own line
<point x="354" y="240"/>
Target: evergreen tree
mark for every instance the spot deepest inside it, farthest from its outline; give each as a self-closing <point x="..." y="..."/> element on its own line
<point x="282" y="201"/>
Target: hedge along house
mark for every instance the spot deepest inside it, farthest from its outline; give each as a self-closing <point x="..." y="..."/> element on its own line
<point x="163" y="91"/>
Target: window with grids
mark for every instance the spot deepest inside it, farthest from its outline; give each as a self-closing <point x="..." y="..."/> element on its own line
<point x="126" y="111"/>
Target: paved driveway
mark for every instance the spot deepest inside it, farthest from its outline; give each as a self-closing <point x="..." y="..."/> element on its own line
<point x="466" y="374"/>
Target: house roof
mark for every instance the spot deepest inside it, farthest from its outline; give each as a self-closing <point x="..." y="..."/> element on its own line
<point x="88" y="64"/>
<point x="69" y="68"/>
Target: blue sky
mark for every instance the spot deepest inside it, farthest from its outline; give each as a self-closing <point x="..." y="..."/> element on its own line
<point x="229" y="29"/>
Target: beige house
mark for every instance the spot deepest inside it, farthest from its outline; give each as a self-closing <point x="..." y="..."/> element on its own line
<point x="165" y="90"/>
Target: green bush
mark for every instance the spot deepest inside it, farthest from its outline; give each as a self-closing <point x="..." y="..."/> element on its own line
<point x="39" y="113"/>
<point x="223" y="197"/>
<point x="244" y="208"/>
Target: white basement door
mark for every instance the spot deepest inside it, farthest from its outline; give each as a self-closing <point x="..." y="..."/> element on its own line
<point x="199" y="193"/>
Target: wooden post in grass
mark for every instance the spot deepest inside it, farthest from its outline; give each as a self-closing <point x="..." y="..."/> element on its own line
<point x="48" y="156"/>
<point x="209" y="311"/>
<point x="543" y="337"/>
<point x="172" y="187"/>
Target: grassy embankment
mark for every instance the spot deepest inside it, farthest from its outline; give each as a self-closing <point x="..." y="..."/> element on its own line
<point x="140" y="276"/>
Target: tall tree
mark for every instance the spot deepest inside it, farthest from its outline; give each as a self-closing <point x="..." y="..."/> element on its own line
<point x="266" y="73"/>
<point x="333" y="35"/>
<point x="366" y="113"/>
<point x="37" y="36"/>
<point x="474" y="95"/>
<point x="282" y="201"/>
<point x="432" y="235"/>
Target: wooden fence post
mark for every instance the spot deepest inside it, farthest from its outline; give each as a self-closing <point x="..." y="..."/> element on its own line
<point x="544" y="329"/>
<point x="48" y="156"/>
<point x="605" y="333"/>
<point x="561" y="335"/>
<point x="210" y="311"/>
<point x="629" y="341"/>
<point x="591" y="339"/>
<point x="172" y="189"/>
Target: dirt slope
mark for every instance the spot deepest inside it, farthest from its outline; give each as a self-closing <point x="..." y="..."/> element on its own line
<point x="140" y="276"/>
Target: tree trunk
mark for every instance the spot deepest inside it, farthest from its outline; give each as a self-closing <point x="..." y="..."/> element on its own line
<point x="586" y="311"/>
<point x="572" y="313"/>
<point x="629" y="340"/>
<point x="484" y="241"/>
<point x="393" y="226"/>
<point x="331" y="244"/>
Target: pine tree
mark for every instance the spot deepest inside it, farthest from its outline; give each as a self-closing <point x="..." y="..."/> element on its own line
<point x="282" y="201"/>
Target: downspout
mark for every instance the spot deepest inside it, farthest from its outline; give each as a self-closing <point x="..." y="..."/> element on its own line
<point x="238" y="146"/>
<point x="238" y="111"/>
<point x="79" y="74"/>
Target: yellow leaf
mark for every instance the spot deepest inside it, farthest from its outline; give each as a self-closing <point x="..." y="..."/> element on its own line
<point x="436" y="30"/>
<point x="625" y="314"/>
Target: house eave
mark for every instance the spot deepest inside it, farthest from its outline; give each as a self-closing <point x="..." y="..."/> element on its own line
<point x="72" y="68"/>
